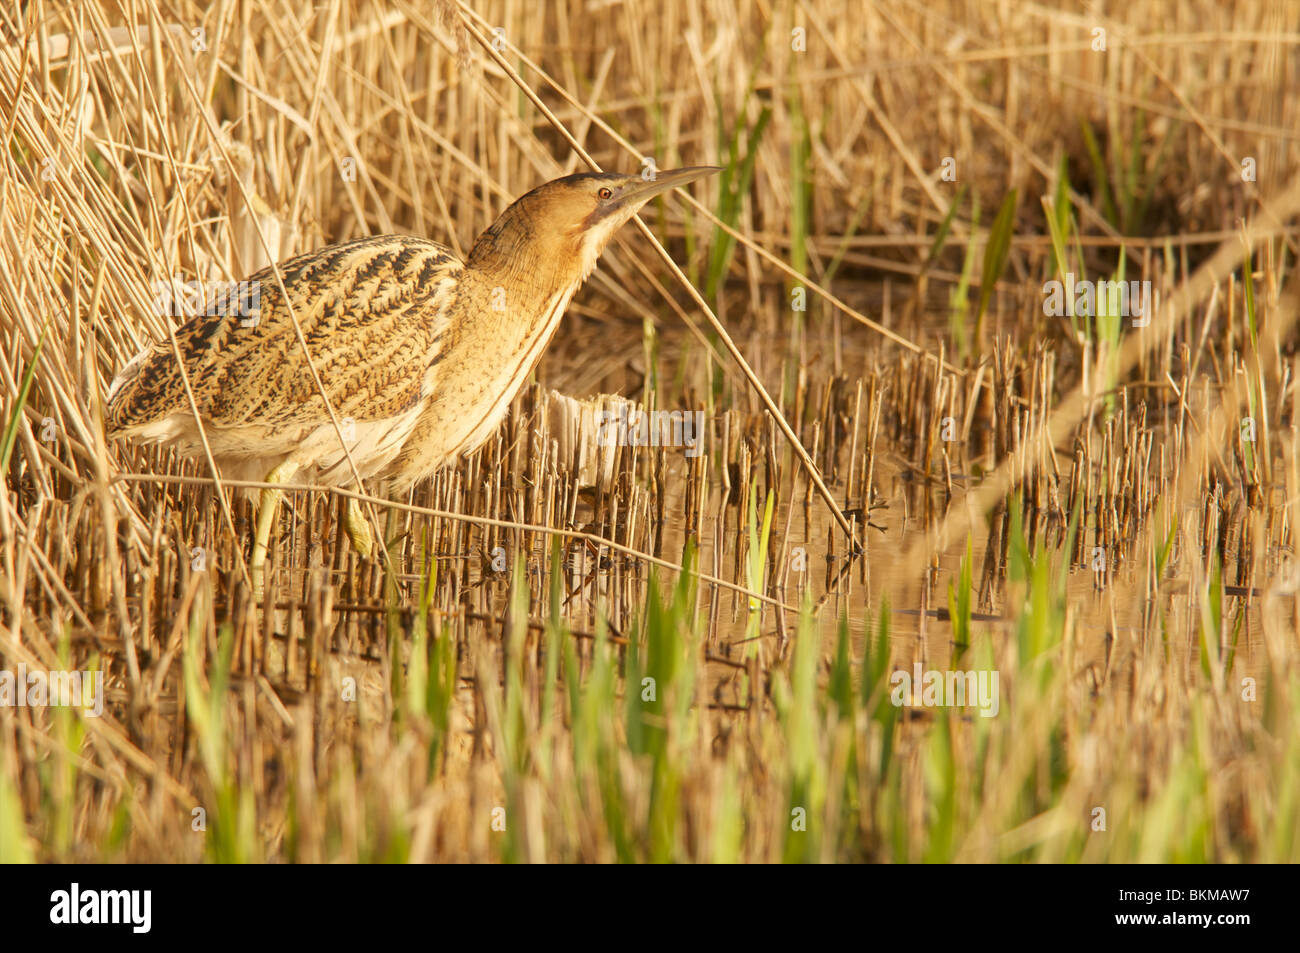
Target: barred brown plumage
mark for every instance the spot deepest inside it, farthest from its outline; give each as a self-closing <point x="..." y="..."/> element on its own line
<point x="418" y="352"/>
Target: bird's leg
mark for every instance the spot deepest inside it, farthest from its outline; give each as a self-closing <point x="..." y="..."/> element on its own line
<point x="357" y="527"/>
<point x="390" y="532"/>
<point x="270" y="504"/>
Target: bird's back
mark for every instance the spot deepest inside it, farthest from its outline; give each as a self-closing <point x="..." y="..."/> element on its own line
<point x="371" y="311"/>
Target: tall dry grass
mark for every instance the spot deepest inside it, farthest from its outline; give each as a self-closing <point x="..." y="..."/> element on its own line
<point x="452" y="707"/>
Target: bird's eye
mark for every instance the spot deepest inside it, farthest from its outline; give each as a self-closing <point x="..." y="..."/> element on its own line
<point x="604" y="193"/>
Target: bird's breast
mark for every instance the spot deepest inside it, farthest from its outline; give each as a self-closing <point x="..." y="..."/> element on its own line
<point x="486" y="354"/>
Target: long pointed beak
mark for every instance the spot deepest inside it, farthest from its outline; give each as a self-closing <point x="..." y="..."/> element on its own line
<point x="640" y="193"/>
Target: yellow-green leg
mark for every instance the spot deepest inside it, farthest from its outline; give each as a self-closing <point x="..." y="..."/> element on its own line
<point x="357" y="527"/>
<point x="269" y="505"/>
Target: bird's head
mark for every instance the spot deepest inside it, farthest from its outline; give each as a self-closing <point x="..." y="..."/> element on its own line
<point x="573" y="217"/>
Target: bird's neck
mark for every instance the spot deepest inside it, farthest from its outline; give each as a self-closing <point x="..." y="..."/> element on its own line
<point x="521" y="273"/>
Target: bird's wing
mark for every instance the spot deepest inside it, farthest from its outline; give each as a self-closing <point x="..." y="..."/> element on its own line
<point x="371" y="312"/>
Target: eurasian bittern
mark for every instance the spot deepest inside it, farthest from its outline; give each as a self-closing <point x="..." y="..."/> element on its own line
<point x="419" y="353"/>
